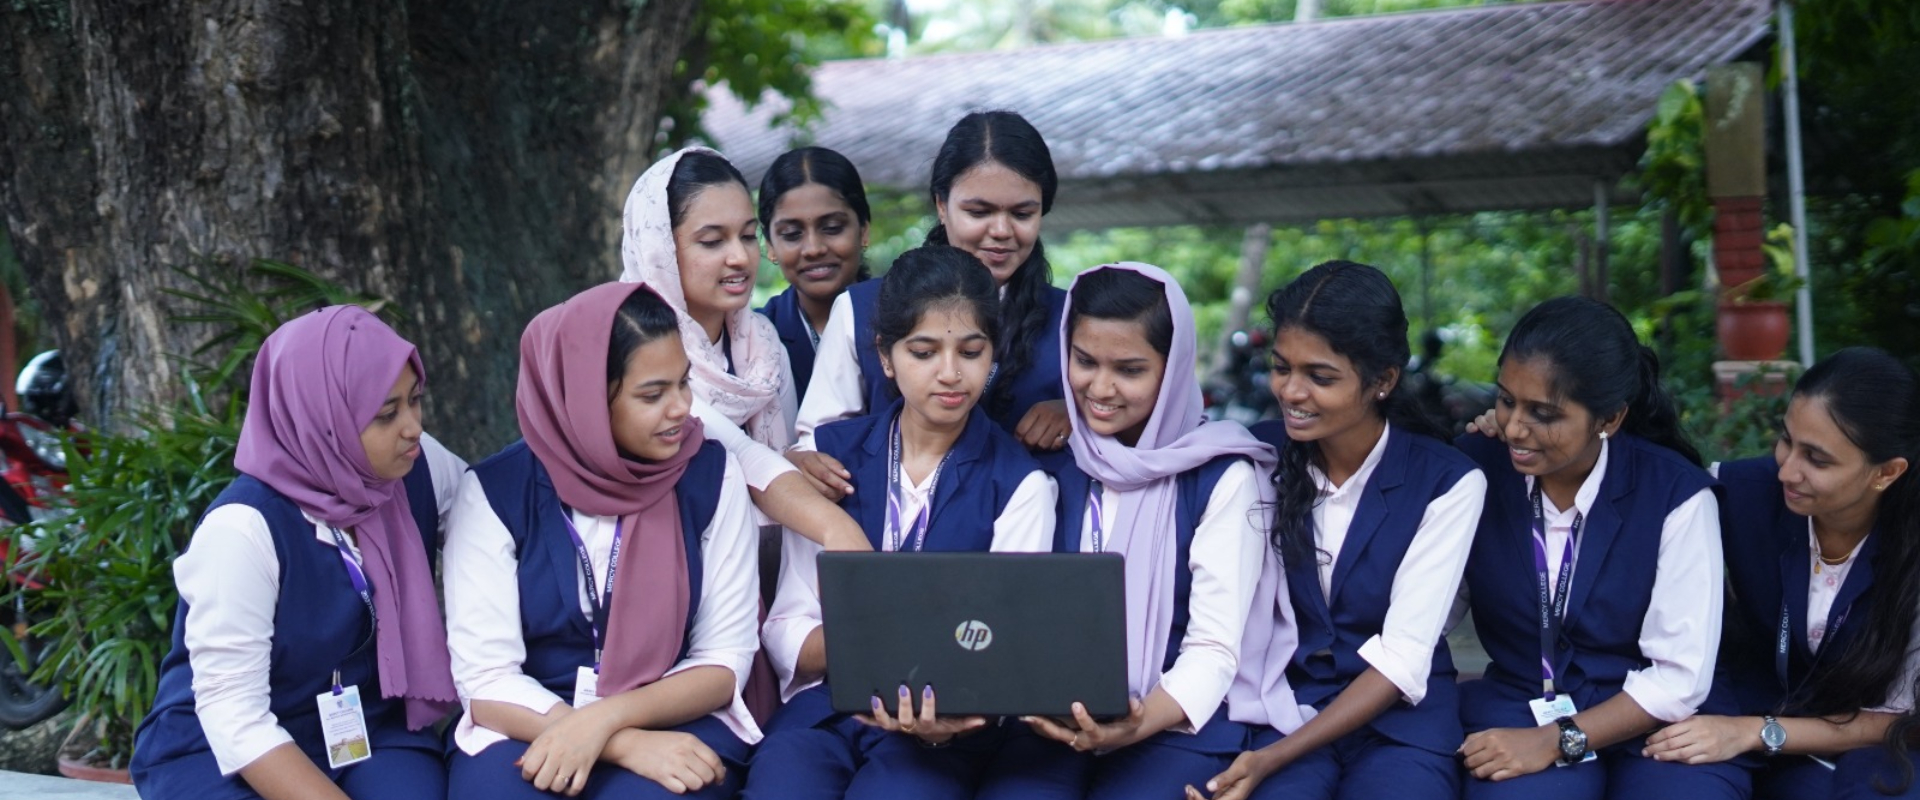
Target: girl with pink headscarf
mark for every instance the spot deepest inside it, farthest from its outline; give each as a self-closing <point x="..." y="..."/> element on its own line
<point x="306" y="592"/>
<point x="601" y="596"/>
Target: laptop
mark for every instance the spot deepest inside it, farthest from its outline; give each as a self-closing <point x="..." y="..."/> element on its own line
<point x="996" y="634"/>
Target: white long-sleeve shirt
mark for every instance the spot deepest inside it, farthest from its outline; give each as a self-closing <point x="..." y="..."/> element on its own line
<point x="1225" y="559"/>
<point x="1024" y="526"/>
<point x="483" y="605"/>
<point x="838" y="389"/>
<point x="230" y="579"/>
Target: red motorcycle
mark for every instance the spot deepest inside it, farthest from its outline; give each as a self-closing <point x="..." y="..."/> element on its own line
<point x="33" y="481"/>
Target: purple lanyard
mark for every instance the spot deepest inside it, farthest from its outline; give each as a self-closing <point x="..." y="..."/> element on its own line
<point x="597" y="603"/>
<point x="358" y="577"/>
<point x="916" y="538"/>
<point x="1553" y="601"/>
<point x="1093" y="506"/>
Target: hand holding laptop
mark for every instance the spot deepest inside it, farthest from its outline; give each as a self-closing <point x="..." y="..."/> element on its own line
<point x="1085" y="734"/>
<point x="928" y="726"/>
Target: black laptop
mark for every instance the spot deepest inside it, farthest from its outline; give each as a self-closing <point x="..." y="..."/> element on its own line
<point x="996" y="634"/>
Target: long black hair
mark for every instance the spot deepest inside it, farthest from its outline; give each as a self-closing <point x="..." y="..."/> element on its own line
<point x="1356" y="309"/>
<point x="696" y="171"/>
<point x="1007" y="139"/>
<point x="1594" y="359"/>
<point x="926" y="278"/>
<point x="799" y="167"/>
<point x="1874" y="400"/>
<point x="641" y="318"/>
<point x="1125" y="295"/>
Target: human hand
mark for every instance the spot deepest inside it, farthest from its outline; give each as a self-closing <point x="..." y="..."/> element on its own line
<point x="1246" y="773"/>
<point x="1486" y="425"/>
<point x="829" y="477"/>
<point x="1045" y="426"/>
<point x="927" y="726"/>
<point x="677" y="761"/>
<point x="1082" y="733"/>
<point x="561" y="758"/>
<point x="1502" y="753"/>
<point x="1703" y="739"/>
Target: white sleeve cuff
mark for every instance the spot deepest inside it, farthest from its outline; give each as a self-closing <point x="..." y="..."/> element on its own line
<point x="1410" y="679"/>
<point x="1656" y="699"/>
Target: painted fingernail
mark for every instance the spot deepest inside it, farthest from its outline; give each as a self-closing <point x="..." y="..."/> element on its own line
<point x="927" y="692"/>
<point x="876" y="702"/>
<point x="904" y="691"/>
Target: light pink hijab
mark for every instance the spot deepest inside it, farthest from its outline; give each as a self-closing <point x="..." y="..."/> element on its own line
<point x="750" y="395"/>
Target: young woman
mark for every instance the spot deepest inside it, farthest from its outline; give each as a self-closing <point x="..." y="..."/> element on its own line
<point x="943" y="477"/>
<point x="814" y="215"/>
<point x="1182" y="501"/>
<point x="601" y="584"/>
<point x="309" y="658"/>
<point x="993" y="180"/>
<point x="1835" y="510"/>
<point x="1375" y="517"/>
<point x="1595" y="578"/>
<point x="691" y="236"/>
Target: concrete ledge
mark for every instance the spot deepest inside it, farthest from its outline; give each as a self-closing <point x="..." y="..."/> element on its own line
<point x="21" y="786"/>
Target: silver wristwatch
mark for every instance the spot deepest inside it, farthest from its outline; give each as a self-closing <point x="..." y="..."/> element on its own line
<point x="1773" y="735"/>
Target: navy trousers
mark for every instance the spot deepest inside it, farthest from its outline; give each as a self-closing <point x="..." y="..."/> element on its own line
<point x="1360" y="765"/>
<point x="1032" y="767"/>
<point x="491" y="775"/>
<point x="841" y="757"/>
<point x="394" y="773"/>
<point x="1860" y="774"/>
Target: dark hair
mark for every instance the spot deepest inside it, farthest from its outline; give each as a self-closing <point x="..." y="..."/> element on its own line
<point x="1595" y="360"/>
<point x="1122" y="294"/>
<point x="1356" y="309"/>
<point x="696" y="171"/>
<point x="929" y="277"/>
<point x="799" y="167"/>
<point x="642" y="318"/>
<point x="1007" y="139"/>
<point x="1875" y="400"/>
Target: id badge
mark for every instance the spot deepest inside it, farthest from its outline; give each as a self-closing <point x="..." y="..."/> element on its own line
<point x="1545" y="712"/>
<point x="586" y="687"/>
<point x="343" y="723"/>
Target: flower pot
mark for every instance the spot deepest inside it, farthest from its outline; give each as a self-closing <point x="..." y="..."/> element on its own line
<point x="1753" y="330"/>
<point x="79" y="770"/>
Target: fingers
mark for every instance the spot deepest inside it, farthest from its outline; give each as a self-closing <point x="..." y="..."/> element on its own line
<point x="1083" y="719"/>
<point x="828" y="476"/>
<point x="905" y="711"/>
<point x="1050" y="729"/>
<point x="926" y="707"/>
<point x="880" y="718"/>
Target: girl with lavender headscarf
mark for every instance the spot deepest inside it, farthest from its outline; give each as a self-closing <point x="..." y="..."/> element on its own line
<point x="600" y="574"/>
<point x="1181" y="499"/>
<point x="307" y="590"/>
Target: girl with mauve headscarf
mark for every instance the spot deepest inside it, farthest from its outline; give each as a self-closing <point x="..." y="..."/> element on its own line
<point x="307" y="589"/>
<point x="600" y="574"/>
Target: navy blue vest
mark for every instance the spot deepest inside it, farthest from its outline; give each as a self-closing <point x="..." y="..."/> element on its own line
<point x="1413" y="472"/>
<point x="558" y="636"/>
<point x="318" y="601"/>
<point x="1619" y="552"/>
<point x="1041" y="381"/>
<point x="1195" y="489"/>
<point x="791" y="323"/>
<point x="1766" y="551"/>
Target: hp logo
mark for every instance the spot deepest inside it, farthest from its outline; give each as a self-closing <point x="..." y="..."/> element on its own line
<point x="973" y="635"/>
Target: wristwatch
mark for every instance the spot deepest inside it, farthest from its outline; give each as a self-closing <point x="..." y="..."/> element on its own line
<point x="1773" y="735"/>
<point x="1573" y="742"/>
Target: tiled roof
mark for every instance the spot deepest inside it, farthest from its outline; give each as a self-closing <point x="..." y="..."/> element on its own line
<point x="1507" y="106"/>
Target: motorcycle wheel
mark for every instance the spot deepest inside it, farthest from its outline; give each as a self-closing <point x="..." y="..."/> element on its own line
<point x="23" y="703"/>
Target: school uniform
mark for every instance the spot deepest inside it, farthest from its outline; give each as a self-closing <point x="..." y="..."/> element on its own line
<point x="1771" y="552"/>
<point x="1219" y="534"/>
<point x="518" y="612"/>
<point x="238" y="681"/>
<point x="812" y="752"/>
<point x="1390" y="543"/>
<point x="1642" y="615"/>
<point x="852" y="383"/>
<point x="796" y="334"/>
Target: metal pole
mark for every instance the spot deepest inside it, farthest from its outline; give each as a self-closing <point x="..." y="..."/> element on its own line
<point x="1796" y="187"/>
<point x="1602" y="234"/>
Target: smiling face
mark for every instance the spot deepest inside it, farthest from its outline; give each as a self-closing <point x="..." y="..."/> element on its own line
<point x="1547" y="435"/>
<point x="941" y="367"/>
<point x="1822" y="471"/>
<point x="1114" y="374"/>
<point x="1322" y="394"/>
<point x="648" y="405"/>
<point x="392" y="439"/>
<point x="718" y="251"/>
<point x="993" y="213"/>
<point x="817" y="239"/>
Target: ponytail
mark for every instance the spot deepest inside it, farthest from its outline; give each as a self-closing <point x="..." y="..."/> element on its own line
<point x="1596" y="361"/>
<point x="1653" y="415"/>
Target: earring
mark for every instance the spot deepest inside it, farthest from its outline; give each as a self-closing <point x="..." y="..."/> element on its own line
<point x="1383" y="395"/>
<point x="1603" y="436"/>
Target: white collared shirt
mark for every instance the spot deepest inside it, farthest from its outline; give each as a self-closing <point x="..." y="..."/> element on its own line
<point x="483" y="605"/>
<point x="229" y="577"/>
<point x="838" y="389"/>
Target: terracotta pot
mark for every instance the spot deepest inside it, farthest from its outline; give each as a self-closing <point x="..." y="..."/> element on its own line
<point x="1753" y="330"/>
<point x="87" y="772"/>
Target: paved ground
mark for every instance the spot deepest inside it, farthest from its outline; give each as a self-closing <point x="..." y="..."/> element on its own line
<point x="21" y="786"/>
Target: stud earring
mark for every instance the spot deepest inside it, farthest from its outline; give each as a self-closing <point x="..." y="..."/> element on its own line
<point x="1603" y="436"/>
<point x="1383" y="395"/>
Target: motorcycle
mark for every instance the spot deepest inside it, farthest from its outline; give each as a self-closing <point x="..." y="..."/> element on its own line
<point x="33" y="481"/>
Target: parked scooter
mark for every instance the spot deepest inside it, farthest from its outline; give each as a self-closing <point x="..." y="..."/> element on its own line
<point x="33" y="482"/>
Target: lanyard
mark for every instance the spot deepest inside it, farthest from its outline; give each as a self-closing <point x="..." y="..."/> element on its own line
<point x="1784" y="640"/>
<point x="1094" y="505"/>
<point x="916" y="537"/>
<point x="358" y="577"/>
<point x="1553" y="602"/>
<point x="597" y="602"/>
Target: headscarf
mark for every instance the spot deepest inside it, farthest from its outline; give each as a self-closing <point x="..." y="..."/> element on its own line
<point x="750" y="394"/>
<point x="1176" y="439"/>
<point x="562" y="404"/>
<point x="318" y="381"/>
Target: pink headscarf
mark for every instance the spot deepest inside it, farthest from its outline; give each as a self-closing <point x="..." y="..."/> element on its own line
<point x="562" y="405"/>
<point x="1177" y="438"/>
<point x="750" y="395"/>
<point x="317" y="383"/>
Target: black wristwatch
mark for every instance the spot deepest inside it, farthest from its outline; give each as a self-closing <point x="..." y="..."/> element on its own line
<point x="1573" y="742"/>
<point x="1773" y="735"/>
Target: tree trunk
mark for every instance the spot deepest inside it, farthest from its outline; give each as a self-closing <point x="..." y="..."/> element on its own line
<point x="468" y="159"/>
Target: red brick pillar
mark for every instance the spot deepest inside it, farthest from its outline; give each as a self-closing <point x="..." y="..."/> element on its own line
<point x="1752" y="333"/>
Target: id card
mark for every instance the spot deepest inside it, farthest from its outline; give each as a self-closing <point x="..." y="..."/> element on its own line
<point x="586" y="687"/>
<point x="1545" y="712"/>
<point x="343" y="723"/>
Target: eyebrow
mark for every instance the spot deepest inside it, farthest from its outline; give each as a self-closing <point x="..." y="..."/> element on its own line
<point x="972" y="336"/>
<point x="1309" y="365"/>
<point x="980" y="201"/>
<point x="1133" y="360"/>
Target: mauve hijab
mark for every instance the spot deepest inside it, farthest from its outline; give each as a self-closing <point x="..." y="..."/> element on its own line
<point x="318" y="381"/>
<point x="1177" y="438"/>
<point x="562" y="405"/>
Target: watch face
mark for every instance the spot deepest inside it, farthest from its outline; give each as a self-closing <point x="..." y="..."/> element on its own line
<point x="1773" y="735"/>
<point x="1573" y="744"/>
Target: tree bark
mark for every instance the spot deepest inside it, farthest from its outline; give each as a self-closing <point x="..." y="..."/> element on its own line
<point x="466" y="158"/>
